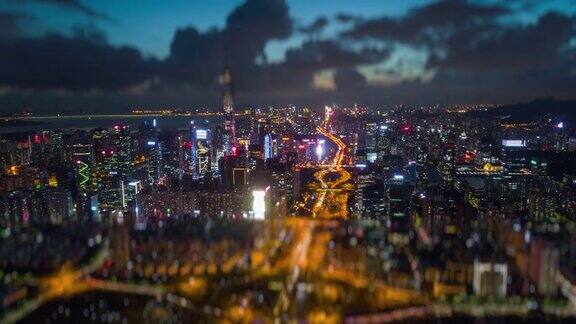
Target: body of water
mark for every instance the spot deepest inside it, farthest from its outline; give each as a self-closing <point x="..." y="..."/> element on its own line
<point x="34" y="124"/>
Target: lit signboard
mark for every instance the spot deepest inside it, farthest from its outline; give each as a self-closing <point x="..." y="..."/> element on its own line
<point x="371" y="157"/>
<point x="258" y="204"/>
<point x="201" y="134"/>
<point x="514" y="143"/>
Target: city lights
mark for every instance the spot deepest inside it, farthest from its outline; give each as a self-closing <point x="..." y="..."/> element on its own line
<point x="340" y="162"/>
<point x="319" y="150"/>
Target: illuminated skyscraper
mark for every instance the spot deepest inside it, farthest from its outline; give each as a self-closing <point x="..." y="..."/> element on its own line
<point x="123" y="145"/>
<point x="82" y="159"/>
<point x="201" y="151"/>
<point x="106" y="180"/>
<point x="515" y="178"/>
<point x="155" y="161"/>
<point x="398" y="192"/>
<point x="100" y="145"/>
<point x="229" y="136"/>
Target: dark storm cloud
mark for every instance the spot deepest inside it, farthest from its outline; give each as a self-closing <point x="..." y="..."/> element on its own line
<point x="316" y="27"/>
<point x="528" y="5"/>
<point x="75" y="5"/>
<point x="10" y="24"/>
<point x="86" y="61"/>
<point x="69" y="63"/>
<point x="251" y="25"/>
<point x="428" y="23"/>
<point x="331" y="54"/>
<point x="194" y="56"/>
<point x="524" y="47"/>
<point x="301" y="63"/>
<point x="476" y="53"/>
<point x="345" y="18"/>
<point x="349" y="79"/>
<point x="197" y="57"/>
<point x="450" y="86"/>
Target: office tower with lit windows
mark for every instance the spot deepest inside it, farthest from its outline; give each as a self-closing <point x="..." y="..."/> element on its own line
<point x="201" y="152"/>
<point x="515" y="178"/>
<point x="123" y="148"/>
<point x="373" y="202"/>
<point x="14" y="155"/>
<point x="448" y="164"/>
<point x="110" y="182"/>
<point x="82" y="161"/>
<point x="155" y="161"/>
<point x="55" y="145"/>
<point x="106" y="175"/>
<point x="398" y="195"/>
<point x="255" y="157"/>
<point x="267" y="145"/>
<point x="185" y="154"/>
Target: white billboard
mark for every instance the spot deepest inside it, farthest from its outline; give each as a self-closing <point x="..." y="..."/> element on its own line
<point x="201" y="134"/>
<point x="371" y="157"/>
<point x="514" y="143"/>
<point x="258" y="204"/>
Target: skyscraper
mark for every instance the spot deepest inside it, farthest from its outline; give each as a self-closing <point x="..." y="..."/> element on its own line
<point x="123" y="145"/>
<point x="201" y="150"/>
<point x="229" y="135"/>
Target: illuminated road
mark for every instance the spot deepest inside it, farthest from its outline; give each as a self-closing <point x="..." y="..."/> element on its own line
<point x="332" y="203"/>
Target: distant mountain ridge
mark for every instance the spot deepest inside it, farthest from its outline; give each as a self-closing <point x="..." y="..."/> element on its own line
<point x="531" y="111"/>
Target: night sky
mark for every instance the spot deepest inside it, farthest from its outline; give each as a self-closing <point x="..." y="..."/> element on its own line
<point x="92" y="55"/>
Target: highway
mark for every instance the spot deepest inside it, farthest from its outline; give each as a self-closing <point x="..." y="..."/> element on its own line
<point x="332" y="203"/>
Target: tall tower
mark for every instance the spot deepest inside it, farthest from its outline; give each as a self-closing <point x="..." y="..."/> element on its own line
<point x="229" y="136"/>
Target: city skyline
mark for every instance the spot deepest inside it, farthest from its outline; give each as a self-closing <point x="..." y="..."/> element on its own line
<point x="377" y="55"/>
<point x="288" y="161"/>
<point x="336" y="215"/>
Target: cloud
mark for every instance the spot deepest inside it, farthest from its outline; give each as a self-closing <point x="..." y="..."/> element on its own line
<point x="72" y="63"/>
<point x="522" y="47"/>
<point x="302" y="63"/>
<point x="476" y="52"/>
<point x="316" y="27"/>
<point x="467" y="52"/>
<point x="331" y="54"/>
<point x="75" y="5"/>
<point x="427" y="23"/>
<point x="198" y="57"/>
<point x="195" y="57"/>
<point x="250" y="26"/>
<point x="10" y="24"/>
<point x="349" y="79"/>
<point x="345" y="18"/>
